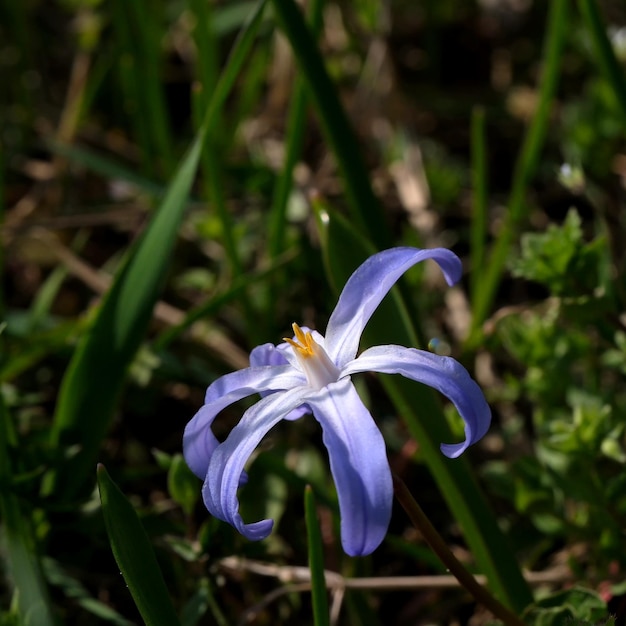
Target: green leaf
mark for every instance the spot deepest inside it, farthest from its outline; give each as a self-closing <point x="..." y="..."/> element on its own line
<point x="74" y="589"/>
<point x="95" y="376"/>
<point x="24" y="569"/>
<point x="138" y="30"/>
<point x="202" y="601"/>
<point x="480" y="216"/>
<point x="607" y="60"/>
<point x="560" y="259"/>
<point x="134" y="555"/>
<point x="525" y="167"/>
<point x="296" y="126"/>
<point x="321" y="616"/>
<point x="365" y="208"/>
<point x="182" y="484"/>
<point x="107" y="167"/>
<point x="571" y="606"/>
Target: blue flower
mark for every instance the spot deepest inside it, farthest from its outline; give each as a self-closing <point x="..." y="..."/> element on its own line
<point x="311" y="374"/>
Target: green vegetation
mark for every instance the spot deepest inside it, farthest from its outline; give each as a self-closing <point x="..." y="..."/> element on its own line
<point x="181" y="180"/>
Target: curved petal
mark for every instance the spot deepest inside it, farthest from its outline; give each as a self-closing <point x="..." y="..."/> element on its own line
<point x="227" y="461"/>
<point x="199" y="442"/>
<point x="358" y="461"/>
<point x="368" y="286"/>
<point x="269" y="354"/>
<point x="440" y="372"/>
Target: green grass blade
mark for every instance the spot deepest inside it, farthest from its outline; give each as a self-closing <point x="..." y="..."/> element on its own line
<point x="610" y="66"/>
<point x="296" y="125"/>
<point x="40" y="345"/>
<point x="211" y="159"/>
<point x="2" y="214"/>
<point x="24" y="568"/>
<point x="131" y="92"/>
<point x="478" y="234"/>
<point x="525" y="166"/>
<point x="205" y="310"/>
<point x="365" y="208"/>
<point x="236" y="59"/>
<point x="343" y="252"/>
<point x="43" y="300"/>
<point x="106" y="166"/>
<point x="95" y="376"/>
<point x="134" y="555"/>
<point x="211" y="163"/>
<point x="216" y="145"/>
<point x="321" y="616"/>
<point x="139" y="33"/>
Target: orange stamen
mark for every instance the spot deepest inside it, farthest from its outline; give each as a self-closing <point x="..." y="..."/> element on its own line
<point x="303" y="343"/>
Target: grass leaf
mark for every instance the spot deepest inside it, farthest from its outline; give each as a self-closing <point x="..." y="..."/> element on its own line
<point x="95" y="376"/>
<point x="134" y="555"/>
<point x="24" y="569"/>
<point x="365" y="208"/>
<point x="321" y="616"/>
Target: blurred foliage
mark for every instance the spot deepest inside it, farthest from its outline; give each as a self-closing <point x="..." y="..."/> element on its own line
<point x="100" y="102"/>
<point x="567" y="346"/>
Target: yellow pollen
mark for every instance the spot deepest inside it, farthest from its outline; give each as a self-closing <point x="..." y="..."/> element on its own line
<point x="304" y="342"/>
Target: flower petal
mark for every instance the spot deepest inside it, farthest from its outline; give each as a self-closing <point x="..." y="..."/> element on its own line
<point x="199" y="442"/>
<point x="228" y="459"/>
<point x="359" y="464"/>
<point x="368" y="286"/>
<point x="269" y="354"/>
<point x="440" y="372"/>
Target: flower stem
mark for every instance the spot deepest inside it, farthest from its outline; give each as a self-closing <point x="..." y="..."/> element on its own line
<point x="439" y="547"/>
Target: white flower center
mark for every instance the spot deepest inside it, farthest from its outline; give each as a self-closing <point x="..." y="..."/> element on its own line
<point x="316" y="364"/>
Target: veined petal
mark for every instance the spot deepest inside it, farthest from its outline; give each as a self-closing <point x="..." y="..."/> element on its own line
<point x="265" y="377"/>
<point x="269" y="354"/>
<point x="359" y="464"/>
<point x="228" y="459"/>
<point x="440" y="372"/>
<point x="368" y="286"/>
<point x="199" y="442"/>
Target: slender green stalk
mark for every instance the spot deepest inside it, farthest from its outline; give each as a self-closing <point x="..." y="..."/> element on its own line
<point x="214" y="145"/>
<point x="138" y="33"/>
<point x="524" y="168"/>
<point x="213" y="175"/>
<point x="130" y="84"/>
<point x="296" y="125"/>
<point x="2" y="214"/>
<point x="605" y="54"/>
<point x="205" y="310"/>
<point x="237" y="57"/>
<point x="439" y="547"/>
<point x="478" y="232"/>
<point x="365" y="208"/>
<point x="321" y="616"/>
<point x="145" y="21"/>
<point x="24" y="567"/>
